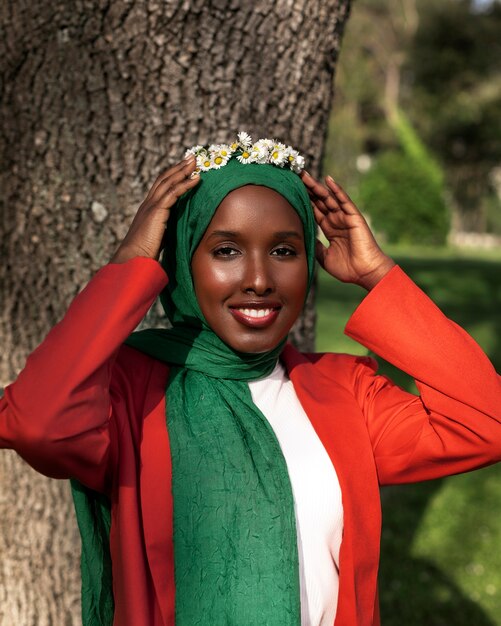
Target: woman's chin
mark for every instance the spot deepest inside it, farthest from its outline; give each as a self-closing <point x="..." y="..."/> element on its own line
<point x="254" y="345"/>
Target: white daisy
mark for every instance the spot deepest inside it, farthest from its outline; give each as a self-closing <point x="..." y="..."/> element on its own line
<point x="244" y="139"/>
<point x="246" y="157"/>
<point x="195" y="150"/>
<point x="220" y="155"/>
<point x="298" y="165"/>
<point x="260" y="152"/>
<point x="268" y="143"/>
<point x="263" y="151"/>
<point x="218" y="161"/>
<point x="225" y="150"/>
<point x="278" y="155"/>
<point x="221" y="147"/>
<point x="204" y="161"/>
<point x="294" y="159"/>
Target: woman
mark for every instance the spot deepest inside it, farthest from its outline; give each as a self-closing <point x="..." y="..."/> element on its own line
<point x="239" y="478"/>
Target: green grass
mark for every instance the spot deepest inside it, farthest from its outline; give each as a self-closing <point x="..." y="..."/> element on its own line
<point x="441" y="542"/>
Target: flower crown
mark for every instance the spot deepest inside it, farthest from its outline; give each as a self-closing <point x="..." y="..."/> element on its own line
<point x="263" y="151"/>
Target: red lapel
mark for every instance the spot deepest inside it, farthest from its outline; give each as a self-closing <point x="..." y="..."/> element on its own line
<point x="156" y="496"/>
<point x="339" y="423"/>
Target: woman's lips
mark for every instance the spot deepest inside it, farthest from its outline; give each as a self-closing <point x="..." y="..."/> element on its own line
<point x="255" y="317"/>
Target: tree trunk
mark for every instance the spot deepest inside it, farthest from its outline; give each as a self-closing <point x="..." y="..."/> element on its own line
<point x="97" y="98"/>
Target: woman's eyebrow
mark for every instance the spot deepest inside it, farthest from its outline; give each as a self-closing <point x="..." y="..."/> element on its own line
<point x="231" y="234"/>
<point x="285" y="234"/>
<point x="223" y="233"/>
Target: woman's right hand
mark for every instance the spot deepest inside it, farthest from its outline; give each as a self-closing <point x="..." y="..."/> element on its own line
<point x="352" y="254"/>
<point x="147" y="230"/>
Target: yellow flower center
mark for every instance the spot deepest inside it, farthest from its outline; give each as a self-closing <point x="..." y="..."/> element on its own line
<point x="218" y="160"/>
<point x="234" y="146"/>
<point x="275" y="155"/>
<point x="245" y="155"/>
<point x="291" y="158"/>
<point x="224" y="153"/>
<point x="206" y="163"/>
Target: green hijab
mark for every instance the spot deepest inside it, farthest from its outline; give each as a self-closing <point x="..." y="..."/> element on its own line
<point x="235" y="542"/>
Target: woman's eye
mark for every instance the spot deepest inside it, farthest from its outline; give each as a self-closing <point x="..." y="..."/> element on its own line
<point x="284" y="251"/>
<point x="225" y="251"/>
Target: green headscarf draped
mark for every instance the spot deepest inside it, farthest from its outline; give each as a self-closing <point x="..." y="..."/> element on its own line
<point x="235" y="543"/>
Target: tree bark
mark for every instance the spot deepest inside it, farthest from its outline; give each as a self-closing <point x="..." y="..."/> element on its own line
<point x="97" y="98"/>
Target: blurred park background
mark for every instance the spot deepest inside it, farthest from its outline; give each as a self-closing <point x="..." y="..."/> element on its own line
<point x="415" y="138"/>
<point x="98" y="96"/>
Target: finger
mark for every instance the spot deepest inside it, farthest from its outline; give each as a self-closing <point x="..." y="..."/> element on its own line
<point x="345" y="202"/>
<point x="328" y="205"/>
<point x="317" y="189"/>
<point x="319" y="214"/>
<point x="313" y="185"/>
<point x="322" y="196"/>
<point x="320" y="252"/>
<point x="171" y="194"/>
<point x="307" y="178"/>
<point x="179" y="175"/>
<point x="332" y="229"/>
<point x="183" y="168"/>
<point x="337" y="189"/>
<point x="319" y="204"/>
<point x="186" y="166"/>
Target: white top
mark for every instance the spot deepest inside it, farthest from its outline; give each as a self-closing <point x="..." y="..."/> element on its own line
<point x="317" y="496"/>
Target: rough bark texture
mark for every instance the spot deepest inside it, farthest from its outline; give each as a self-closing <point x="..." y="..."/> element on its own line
<point x="98" y="97"/>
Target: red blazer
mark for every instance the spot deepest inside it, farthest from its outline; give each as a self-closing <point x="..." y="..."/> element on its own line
<point x="88" y="408"/>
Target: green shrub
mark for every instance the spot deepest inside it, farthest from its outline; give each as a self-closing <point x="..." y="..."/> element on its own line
<point x="404" y="191"/>
<point x="404" y="202"/>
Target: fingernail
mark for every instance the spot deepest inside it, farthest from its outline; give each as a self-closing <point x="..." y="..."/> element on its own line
<point x="190" y="158"/>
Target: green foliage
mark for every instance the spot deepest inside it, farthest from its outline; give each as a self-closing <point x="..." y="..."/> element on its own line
<point x="403" y="192"/>
<point x="415" y="149"/>
<point x="447" y="81"/>
<point x="456" y="97"/>
<point x="404" y="202"/>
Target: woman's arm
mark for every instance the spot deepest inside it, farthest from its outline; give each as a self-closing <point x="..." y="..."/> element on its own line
<point x="352" y="254"/>
<point x="455" y="424"/>
<point x="58" y="414"/>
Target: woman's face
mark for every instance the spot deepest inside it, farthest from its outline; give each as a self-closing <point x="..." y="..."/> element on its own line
<point x="250" y="271"/>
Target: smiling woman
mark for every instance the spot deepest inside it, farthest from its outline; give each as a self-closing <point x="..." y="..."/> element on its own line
<point x="250" y="269"/>
<point x="219" y="475"/>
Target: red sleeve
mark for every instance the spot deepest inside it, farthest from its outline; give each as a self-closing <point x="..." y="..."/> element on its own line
<point x="57" y="414"/>
<point x="455" y="423"/>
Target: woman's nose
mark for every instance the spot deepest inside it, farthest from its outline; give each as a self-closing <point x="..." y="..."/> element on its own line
<point x="258" y="276"/>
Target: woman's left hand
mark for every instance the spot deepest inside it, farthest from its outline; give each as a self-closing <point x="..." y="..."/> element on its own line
<point x="353" y="255"/>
